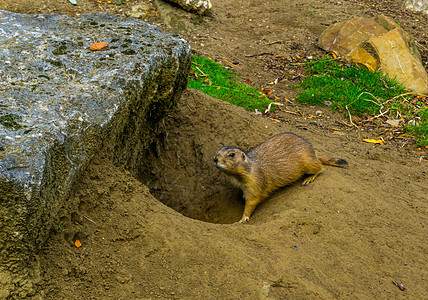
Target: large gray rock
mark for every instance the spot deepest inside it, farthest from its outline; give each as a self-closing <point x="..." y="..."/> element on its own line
<point x="59" y="101"/>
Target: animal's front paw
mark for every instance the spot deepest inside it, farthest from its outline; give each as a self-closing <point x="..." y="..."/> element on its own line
<point x="244" y="220"/>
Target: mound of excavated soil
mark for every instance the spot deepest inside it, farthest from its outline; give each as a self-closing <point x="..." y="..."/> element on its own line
<point x="348" y="234"/>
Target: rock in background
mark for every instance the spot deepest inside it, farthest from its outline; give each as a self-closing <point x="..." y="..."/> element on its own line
<point x="199" y="6"/>
<point x="58" y="102"/>
<point x="378" y="43"/>
<point x="417" y="5"/>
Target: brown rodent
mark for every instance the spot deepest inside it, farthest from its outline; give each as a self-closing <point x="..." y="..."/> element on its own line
<point x="277" y="162"/>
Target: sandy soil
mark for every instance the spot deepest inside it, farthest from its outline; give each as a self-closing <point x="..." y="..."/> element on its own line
<point x="171" y="233"/>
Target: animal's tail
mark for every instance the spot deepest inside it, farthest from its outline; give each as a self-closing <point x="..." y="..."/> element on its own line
<point x="337" y="162"/>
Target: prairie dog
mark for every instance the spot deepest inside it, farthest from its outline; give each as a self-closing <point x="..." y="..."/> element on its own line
<point x="277" y="162"/>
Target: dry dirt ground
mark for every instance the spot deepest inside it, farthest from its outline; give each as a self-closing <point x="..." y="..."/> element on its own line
<point x="349" y="234"/>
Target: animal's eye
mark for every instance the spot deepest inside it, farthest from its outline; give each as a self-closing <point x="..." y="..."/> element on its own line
<point x="232" y="154"/>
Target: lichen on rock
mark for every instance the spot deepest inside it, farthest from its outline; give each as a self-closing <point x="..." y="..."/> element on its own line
<point x="60" y="101"/>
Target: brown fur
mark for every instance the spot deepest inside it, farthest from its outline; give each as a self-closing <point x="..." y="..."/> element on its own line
<point x="277" y="162"/>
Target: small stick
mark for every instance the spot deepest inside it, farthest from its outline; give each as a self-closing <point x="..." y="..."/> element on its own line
<point x="420" y="45"/>
<point x="400" y="285"/>
<point x="89" y="219"/>
<point x="203" y="74"/>
<point x="290" y="112"/>
<point x="259" y="54"/>
<point x="350" y="117"/>
<point x="229" y="63"/>
<point x="271" y="43"/>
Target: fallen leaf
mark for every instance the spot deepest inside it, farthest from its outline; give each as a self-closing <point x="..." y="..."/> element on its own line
<point x="310" y="117"/>
<point x="101" y="46"/>
<point x="248" y="80"/>
<point x="393" y="122"/>
<point x="349" y="125"/>
<point x="374" y="141"/>
<point x="77" y="243"/>
<point x="266" y="91"/>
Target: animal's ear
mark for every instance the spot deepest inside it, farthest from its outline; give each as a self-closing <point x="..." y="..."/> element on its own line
<point x="244" y="157"/>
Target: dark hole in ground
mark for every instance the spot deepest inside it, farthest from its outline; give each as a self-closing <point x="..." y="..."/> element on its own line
<point x="179" y="172"/>
<point x="178" y="168"/>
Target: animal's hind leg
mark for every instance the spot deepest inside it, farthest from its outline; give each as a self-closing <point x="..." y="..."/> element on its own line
<point x="312" y="169"/>
<point x="309" y="179"/>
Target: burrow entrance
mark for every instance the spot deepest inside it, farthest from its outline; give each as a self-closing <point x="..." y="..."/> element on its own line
<point x="179" y="172"/>
<point x="178" y="168"/>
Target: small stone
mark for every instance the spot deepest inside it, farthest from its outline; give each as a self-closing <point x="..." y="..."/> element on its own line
<point x="139" y="11"/>
<point x="319" y="113"/>
<point x="393" y="122"/>
<point x="199" y="6"/>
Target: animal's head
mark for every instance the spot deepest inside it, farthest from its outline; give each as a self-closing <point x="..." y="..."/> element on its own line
<point x="231" y="160"/>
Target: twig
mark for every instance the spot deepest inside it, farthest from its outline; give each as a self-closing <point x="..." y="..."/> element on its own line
<point x="271" y="43"/>
<point x="350" y="117"/>
<point x="231" y="64"/>
<point x="379" y="115"/>
<point x="259" y="54"/>
<point x="405" y="94"/>
<point x="420" y="45"/>
<point x="404" y="144"/>
<point x="274" y="103"/>
<point x="290" y="112"/>
<point x="89" y="219"/>
<point x="203" y="74"/>
<point x="368" y="99"/>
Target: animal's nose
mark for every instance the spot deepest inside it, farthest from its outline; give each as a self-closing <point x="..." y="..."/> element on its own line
<point x="215" y="159"/>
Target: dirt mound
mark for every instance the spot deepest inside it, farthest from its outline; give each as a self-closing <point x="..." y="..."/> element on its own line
<point x="350" y="233"/>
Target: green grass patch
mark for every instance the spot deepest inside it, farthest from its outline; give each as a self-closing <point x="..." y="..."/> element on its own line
<point x="213" y="79"/>
<point x="360" y="91"/>
<point x="421" y="130"/>
<point x="345" y="85"/>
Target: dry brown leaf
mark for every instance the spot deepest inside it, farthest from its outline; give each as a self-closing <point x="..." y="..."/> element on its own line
<point x="266" y="91"/>
<point x="99" y="46"/>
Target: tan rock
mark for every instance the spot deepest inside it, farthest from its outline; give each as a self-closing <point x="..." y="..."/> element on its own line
<point x="345" y="37"/>
<point x="397" y="60"/>
<point x="361" y="56"/>
<point x="378" y="43"/>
